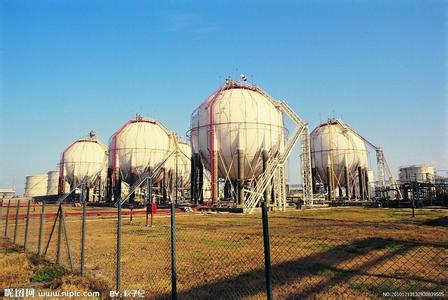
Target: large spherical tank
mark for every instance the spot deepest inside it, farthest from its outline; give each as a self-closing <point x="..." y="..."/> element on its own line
<point x="244" y="119"/>
<point x="36" y="185"/>
<point x="420" y="173"/>
<point x="333" y="144"/>
<point x="138" y="146"/>
<point x="85" y="160"/>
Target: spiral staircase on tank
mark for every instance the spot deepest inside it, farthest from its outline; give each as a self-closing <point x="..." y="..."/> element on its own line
<point x="276" y="166"/>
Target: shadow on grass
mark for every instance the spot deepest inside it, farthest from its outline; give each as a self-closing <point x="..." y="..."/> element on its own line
<point x="293" y="274"/>
<point x="443" y="222"/>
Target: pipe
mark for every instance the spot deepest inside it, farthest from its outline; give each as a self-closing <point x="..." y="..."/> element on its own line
<point x="330" y="188"/>
<point x="360" y="182"/>
<point x="117" y="188"/>
<point x="164" y="196"/>
<point x="366" y="182"/>
<point x="214" y="178"/>
<point x="213" y="152"/>
<point x="109" y="185"/>
<point x="61" y="185"/>
<point x="193" y="179"/>
<point x="87" y="195"/>
<point x="227" y="190"/>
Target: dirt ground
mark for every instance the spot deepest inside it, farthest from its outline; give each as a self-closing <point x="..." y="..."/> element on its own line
<point x="351" y="252"/>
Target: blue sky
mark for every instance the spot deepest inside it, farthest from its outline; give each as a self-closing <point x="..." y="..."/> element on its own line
<point x="71" y="66"/>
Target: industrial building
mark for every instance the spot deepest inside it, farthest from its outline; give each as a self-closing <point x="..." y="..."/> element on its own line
<point x="421" y="185"/>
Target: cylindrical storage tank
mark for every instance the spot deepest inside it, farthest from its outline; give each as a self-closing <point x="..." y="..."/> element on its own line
<point x="53" y="183"/>
<point x="138" y="146"/>
<point x="238" y="122"/>
<point x="334" y="149"/>
<point x="36" y="185"/>
<point x="84" y="161"/>
<point x="418" y="173"/>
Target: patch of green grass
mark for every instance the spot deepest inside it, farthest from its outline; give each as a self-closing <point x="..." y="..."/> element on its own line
<point x="316" y="246"/>
<point x="373" y="214"/>
<point x="393" y="245"/>
<point x="222" y="244"/>
<point x="375" y="287"/>
<point x="364" y="246"/>
<point x="323" y="246"/>
<point x="48" y="273"/>
<point x="320" y="269"/>
<point x="389" y="286"/>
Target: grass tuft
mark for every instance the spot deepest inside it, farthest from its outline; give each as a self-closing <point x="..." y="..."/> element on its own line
<point x="47" y="273"/>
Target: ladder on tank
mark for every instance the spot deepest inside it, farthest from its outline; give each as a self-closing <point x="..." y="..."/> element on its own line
<point x="279" y="161"/>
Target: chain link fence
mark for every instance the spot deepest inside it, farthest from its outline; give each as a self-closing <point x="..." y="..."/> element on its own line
<point x="146" y="255"/>
<point x="219" y="258"/>
<point x="207" y="255"/>
<point x="304" y="267"/>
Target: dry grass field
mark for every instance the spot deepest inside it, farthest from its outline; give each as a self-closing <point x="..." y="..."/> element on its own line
<point x="328" y="252"/>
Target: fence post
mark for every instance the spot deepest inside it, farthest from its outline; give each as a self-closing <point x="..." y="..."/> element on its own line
<point x="16" y="219"/>
<point x="7" y="218"/>
<point x="173" y="253"/>
<point x="41" y="228"/>
<point x="149" y="200"/>
<point x="118" y="269"/>
<point x="414" y="195"/>
<point x="25" y="239"/>
<point x="83" y="229"/>
<point x="67" y="243"/>
<point x="58" y="249"/>
<point x="1" y="211"/>
<point x="267" y="251"/>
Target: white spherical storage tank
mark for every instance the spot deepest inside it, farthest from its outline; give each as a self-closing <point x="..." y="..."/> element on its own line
<point x="237" y="117"/>
<point x="36" y="185"/>
<point x="333" y="145"/>
<point x="85" y="160"/>
<point x="138" y="146"/>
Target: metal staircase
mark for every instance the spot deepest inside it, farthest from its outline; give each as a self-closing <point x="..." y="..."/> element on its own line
<point x="305" y="158"/>
<point x="255" y="195"/>
<point x="280" y="200"/>
<point x="276" y="164"/>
